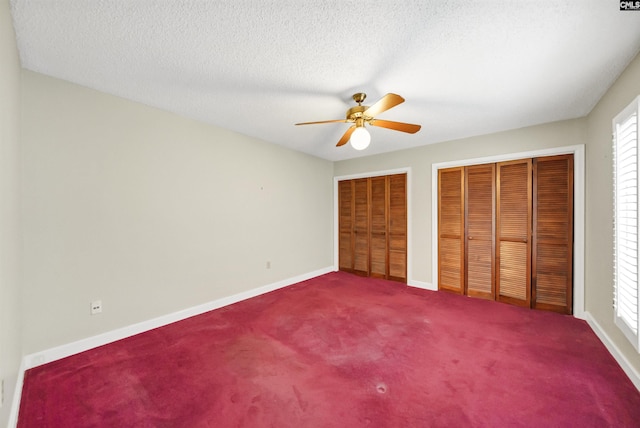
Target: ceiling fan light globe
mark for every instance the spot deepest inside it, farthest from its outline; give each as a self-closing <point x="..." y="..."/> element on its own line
<point x="360" y="138"/>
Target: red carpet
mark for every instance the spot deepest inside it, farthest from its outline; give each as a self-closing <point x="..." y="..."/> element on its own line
<point x="342" y="351"/>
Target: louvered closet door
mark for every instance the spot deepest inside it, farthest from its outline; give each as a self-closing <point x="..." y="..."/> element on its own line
<point x="378" y="224"/>
<point x="552" y="280"/>
<point x="480" y="230"/>
<point x="451" y="230"/>
<point x="345" y="225"/>
<point x="372" y="229"/>
<point x="513" y="230"/>
<point x="397" y="227"/>
<point x="361" y="227"/>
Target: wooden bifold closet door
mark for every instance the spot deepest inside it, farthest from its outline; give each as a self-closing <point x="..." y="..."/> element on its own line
<point x="506" y="232"/>
<point x="479" y="218"/>
<point x="552" y="261"/>
<point x="361" y="227"/>
<point x="513" y="219"/>
<point x="451" y="271"/>
<point x="372" y="216"/>
<point x="345" y="224"/>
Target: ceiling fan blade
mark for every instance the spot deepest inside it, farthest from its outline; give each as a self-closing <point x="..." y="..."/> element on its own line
<point x="345" y="138"/>
<point x="323" y="121"/>
<point x="396" y="126"/>
<point x="383" y="104"/>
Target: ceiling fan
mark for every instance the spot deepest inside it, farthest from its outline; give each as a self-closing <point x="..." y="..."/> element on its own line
<point x="361" y="115"/>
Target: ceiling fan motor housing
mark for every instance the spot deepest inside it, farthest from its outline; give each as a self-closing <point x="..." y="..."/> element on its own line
<point x="355" y="113"/>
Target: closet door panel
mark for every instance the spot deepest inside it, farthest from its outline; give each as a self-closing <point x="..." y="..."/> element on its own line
<point x="514" y="271"/>
<point x="397" y="227"/>
<point x="480" y="230"/>
<point x="451" y="230"/>
<point x="552" y="280"/>
<point x="361" y="227"/>
<point x="513" y="230"/>
<point x="378" y="224"/>
<point x="479" y="275"/>
<point x="345" y="225"/>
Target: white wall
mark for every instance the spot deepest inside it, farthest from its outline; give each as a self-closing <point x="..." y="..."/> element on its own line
<point x="594" y="131"/>
<point x="10" y="354"/>
<point x="153" y="213"/>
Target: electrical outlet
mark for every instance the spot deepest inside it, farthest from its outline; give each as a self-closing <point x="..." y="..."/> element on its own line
<point x="96" y="307"/>
<point x="268" y="265"/>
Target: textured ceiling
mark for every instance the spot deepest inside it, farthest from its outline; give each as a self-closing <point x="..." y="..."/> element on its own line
<point x="258" y="66"/>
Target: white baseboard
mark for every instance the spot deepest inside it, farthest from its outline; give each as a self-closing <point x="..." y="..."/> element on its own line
<point x="53" y="354"/>
<point x="631" y="372"/>
<point x="17" y="393"/>
<point x="39" y="358"/>
<point x="421" y="284"/>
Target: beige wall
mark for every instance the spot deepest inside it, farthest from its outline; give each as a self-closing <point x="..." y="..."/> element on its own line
<point x="10" y="354"/>
<point x="420" y="160"/>
<point x="599" y="200"/>
<point x="594" y="131"/>
<point x="152" y="213"/>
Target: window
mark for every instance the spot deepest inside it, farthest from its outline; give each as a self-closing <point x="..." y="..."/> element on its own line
<point x="625" y="228"/>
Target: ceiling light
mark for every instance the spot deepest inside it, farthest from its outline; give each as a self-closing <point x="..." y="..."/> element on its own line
<point x="360" y="138"/>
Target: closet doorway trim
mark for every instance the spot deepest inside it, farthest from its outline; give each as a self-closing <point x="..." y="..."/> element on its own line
<point x="578" y="152"/>
<point x="336" y="245"/>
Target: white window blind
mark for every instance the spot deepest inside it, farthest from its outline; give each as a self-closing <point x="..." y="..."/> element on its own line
<point x="625" y="172"/>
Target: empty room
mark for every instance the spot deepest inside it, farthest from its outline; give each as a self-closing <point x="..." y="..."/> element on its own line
<point x="319" y="214"/>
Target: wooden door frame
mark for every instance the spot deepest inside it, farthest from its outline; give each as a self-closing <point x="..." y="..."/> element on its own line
<point x="578" y="152"/>
<point x="336" y="230"/>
